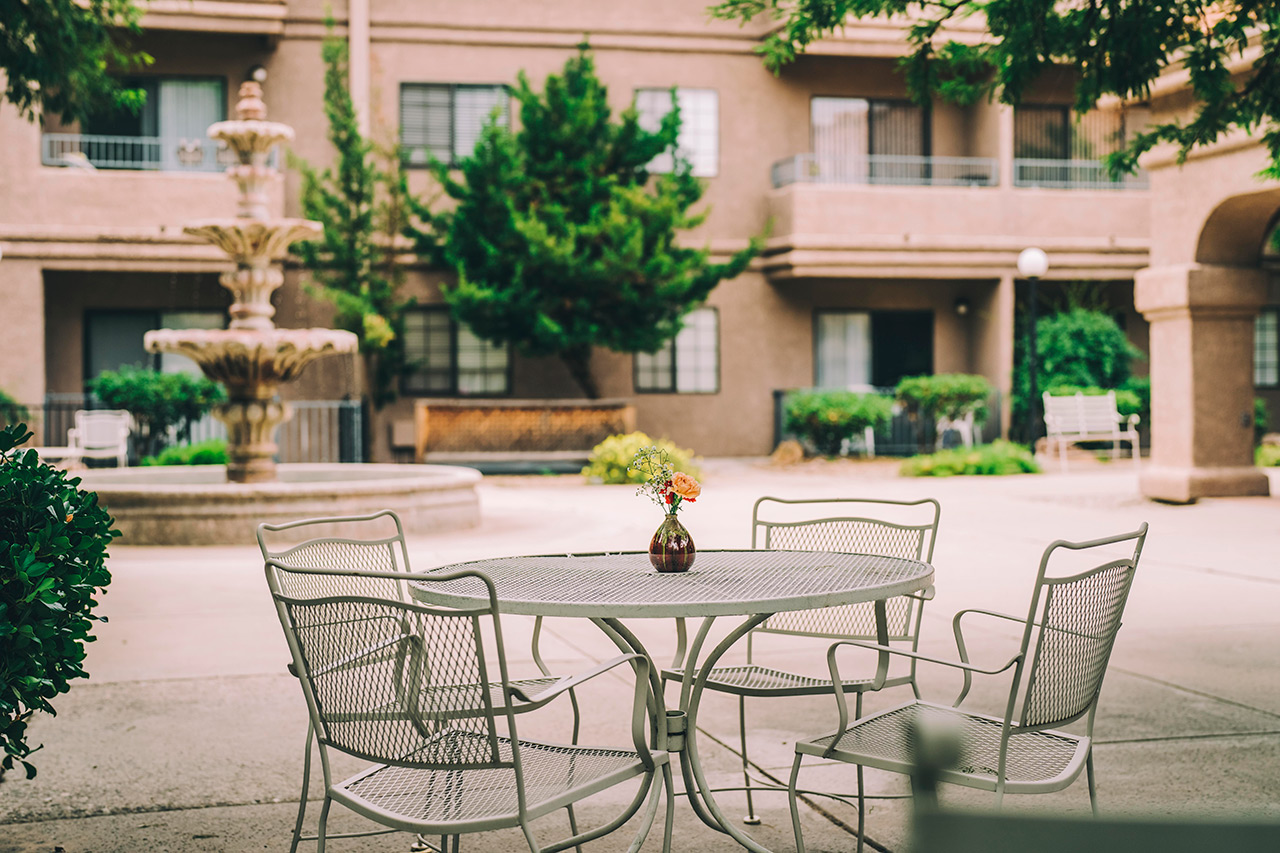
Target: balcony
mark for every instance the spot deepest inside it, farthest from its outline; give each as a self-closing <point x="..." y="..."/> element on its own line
<point x="887" y="169"/>
<point x="1072" y="175"/>
<point x="137" y="153"/>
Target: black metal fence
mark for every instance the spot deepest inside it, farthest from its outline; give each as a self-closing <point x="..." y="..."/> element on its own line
<point x="319" y="431"/>
<point x="904" y="435"/>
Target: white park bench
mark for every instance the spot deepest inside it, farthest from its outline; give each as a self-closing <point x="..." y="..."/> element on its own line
<point x="1081" y="417"/>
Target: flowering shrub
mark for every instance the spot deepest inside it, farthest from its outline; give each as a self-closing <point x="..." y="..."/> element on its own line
<point x="611" y="459"/>
<point x="667" y="487"/>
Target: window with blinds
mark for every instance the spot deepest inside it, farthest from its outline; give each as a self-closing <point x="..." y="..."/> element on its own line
<point x="446" y="359"/>
<point x="444" y="120"/>
<point x="1044" y="132"/>
<point x="1266" y="348"/>
<point x="689" y="363"/>
<point x="699" y="139"/>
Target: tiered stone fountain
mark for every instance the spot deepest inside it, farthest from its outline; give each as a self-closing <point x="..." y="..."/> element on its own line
<point x="252" y="357"/>
<point x="206" y="505"/>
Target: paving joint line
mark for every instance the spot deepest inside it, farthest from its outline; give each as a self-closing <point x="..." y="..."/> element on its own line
<point x="1206" y="736"/>
<point x="1202" y="694"/>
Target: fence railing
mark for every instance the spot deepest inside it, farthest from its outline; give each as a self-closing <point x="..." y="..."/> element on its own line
<point x="904" y="435"/>
<point x="147" y="153"/>
<point x="892" y="169"/>
<point x="1072" y="175"/>
<point x="319" y="431"/>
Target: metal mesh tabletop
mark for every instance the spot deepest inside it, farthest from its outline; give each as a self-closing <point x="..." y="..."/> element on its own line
<point x="721" y="583"/>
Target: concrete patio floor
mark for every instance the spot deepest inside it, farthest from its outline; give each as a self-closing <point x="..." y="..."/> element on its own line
<point x="188" y="735"/>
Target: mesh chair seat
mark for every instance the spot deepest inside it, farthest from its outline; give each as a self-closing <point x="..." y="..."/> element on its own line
<point x="1039" y="760"/>
<point x="553" y="776"/>
<point x="756" y="680"/>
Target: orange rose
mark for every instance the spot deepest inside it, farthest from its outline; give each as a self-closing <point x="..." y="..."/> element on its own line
<point x="685" y="486"/>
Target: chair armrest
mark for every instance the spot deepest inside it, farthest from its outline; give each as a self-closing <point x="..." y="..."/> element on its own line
<point x="640" y="702"/>
<point x="842" y="706"/>
<point x="1133" y="420"/>
<point x="73" y="437"/>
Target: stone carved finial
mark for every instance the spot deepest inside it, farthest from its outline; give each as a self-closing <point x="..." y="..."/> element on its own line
<point x="250" y="105"/>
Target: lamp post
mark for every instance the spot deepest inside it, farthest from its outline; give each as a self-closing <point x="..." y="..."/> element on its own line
<point x="1032" y="264"/>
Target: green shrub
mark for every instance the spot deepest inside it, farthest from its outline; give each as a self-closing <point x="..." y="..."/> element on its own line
<point x="157" y="402"/>
<point x="995" y="459"/>
<point x="1261" y="419"/>
<point x="53" y="550"/>
<point x="1078" y="348"/>
<point x="824" y="419"/>
<point x="610" y="459"/>
<point x="11" y="411"/>
<point x="944" y="395"/>
<point x="210" y="452"/>
<point x="1267" y="455"/>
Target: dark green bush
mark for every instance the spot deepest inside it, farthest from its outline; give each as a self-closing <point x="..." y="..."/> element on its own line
<point x="994" y="459"/>
<point x="211" y="452"/>
<point x="1079" y="348"/>
<point x="157" y="402"/>
<point x="1261" y="419"/>
<point x="53" y="550"/>
<point x="11" y="411"/>
<point x="824" y="419"/>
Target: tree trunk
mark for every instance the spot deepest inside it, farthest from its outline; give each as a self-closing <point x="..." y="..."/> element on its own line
<point x="578" y="360"/>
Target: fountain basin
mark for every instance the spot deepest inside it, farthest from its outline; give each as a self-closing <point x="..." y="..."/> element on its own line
<point x="194" y="505"/>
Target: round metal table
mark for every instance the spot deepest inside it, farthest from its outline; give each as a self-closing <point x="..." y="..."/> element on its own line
<point x="607" y="588"/>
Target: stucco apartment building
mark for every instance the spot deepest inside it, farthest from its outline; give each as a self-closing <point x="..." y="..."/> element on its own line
<point x="893" y="230"/>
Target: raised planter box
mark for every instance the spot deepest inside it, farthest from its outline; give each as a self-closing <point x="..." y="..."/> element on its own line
<point x="479" y="429"/>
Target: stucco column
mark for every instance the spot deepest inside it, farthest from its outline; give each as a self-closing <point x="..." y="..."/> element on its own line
<point x="1201" y="320"/>
<point x="358" y="60"/>
<point x="22" y="344"/>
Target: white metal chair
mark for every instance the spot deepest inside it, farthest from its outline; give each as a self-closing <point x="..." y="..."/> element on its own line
<point x="834" y="524"/>
<point x="1067" y="639"/>
<point x="101" y="434"/>
<point x="411" y="688"/>
<point x="369" y="543"/>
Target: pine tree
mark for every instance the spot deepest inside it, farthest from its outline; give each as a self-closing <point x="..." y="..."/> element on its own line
<point x="561" y="240"/>
<point x="363" y="204"/>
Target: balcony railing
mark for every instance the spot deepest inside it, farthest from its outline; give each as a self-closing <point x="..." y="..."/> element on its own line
<point x="892" y="169"/>
<point x="147" y="153"/>
<point x="1072" y="175"/>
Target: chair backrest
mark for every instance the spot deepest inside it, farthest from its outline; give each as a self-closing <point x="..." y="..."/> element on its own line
<point x="855" y="525"/>
<point x="102" y="430"/>
<point x="365" y="542"/>
<point x="1085" y="414"/>
<point x="399" y="683"/>
<point x="1073" y="620"/>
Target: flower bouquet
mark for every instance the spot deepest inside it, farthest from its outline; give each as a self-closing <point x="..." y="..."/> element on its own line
<point x="671" y="549"/>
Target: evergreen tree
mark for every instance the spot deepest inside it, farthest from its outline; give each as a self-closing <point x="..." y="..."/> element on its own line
<point x="560" y="239"/>
<point x="363" y="204"/>
<point x="1115" y="48"/>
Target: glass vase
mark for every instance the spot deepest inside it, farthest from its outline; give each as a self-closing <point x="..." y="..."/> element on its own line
<point x="671" y="549"/>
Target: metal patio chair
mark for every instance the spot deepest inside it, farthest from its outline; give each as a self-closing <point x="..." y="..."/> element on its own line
<point x="410" y="688"/>
<point x="832" y="524"/>
<point x="1067" y="639"/>
<point x="101" y="434"/>
<point x="373" y="543"/>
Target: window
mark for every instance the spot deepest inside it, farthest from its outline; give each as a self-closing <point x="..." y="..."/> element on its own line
<point x="113" y="339"/>
<point x="856" y="139"/>
<point x="858" y="349"/>
<point x="448" y="359"/>
<point x="689" y="363"/>
<point x="1266" y="348"/>
<point x="699" y="139"/>
<point x="444" y="120"/>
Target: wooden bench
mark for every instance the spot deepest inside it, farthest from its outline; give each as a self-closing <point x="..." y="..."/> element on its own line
<point x="1071" y="420"/>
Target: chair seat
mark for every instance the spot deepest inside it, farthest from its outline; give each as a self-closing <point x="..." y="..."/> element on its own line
<point x="756" y="680"/>
<point x="452" y="800"/>
<point x="1037" y="761"/>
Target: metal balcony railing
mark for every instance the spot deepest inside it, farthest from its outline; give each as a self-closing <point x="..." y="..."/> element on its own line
<point x="1072" y="175"/>
<point x="146" y="153"/>
<point x="892" y="169"/>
